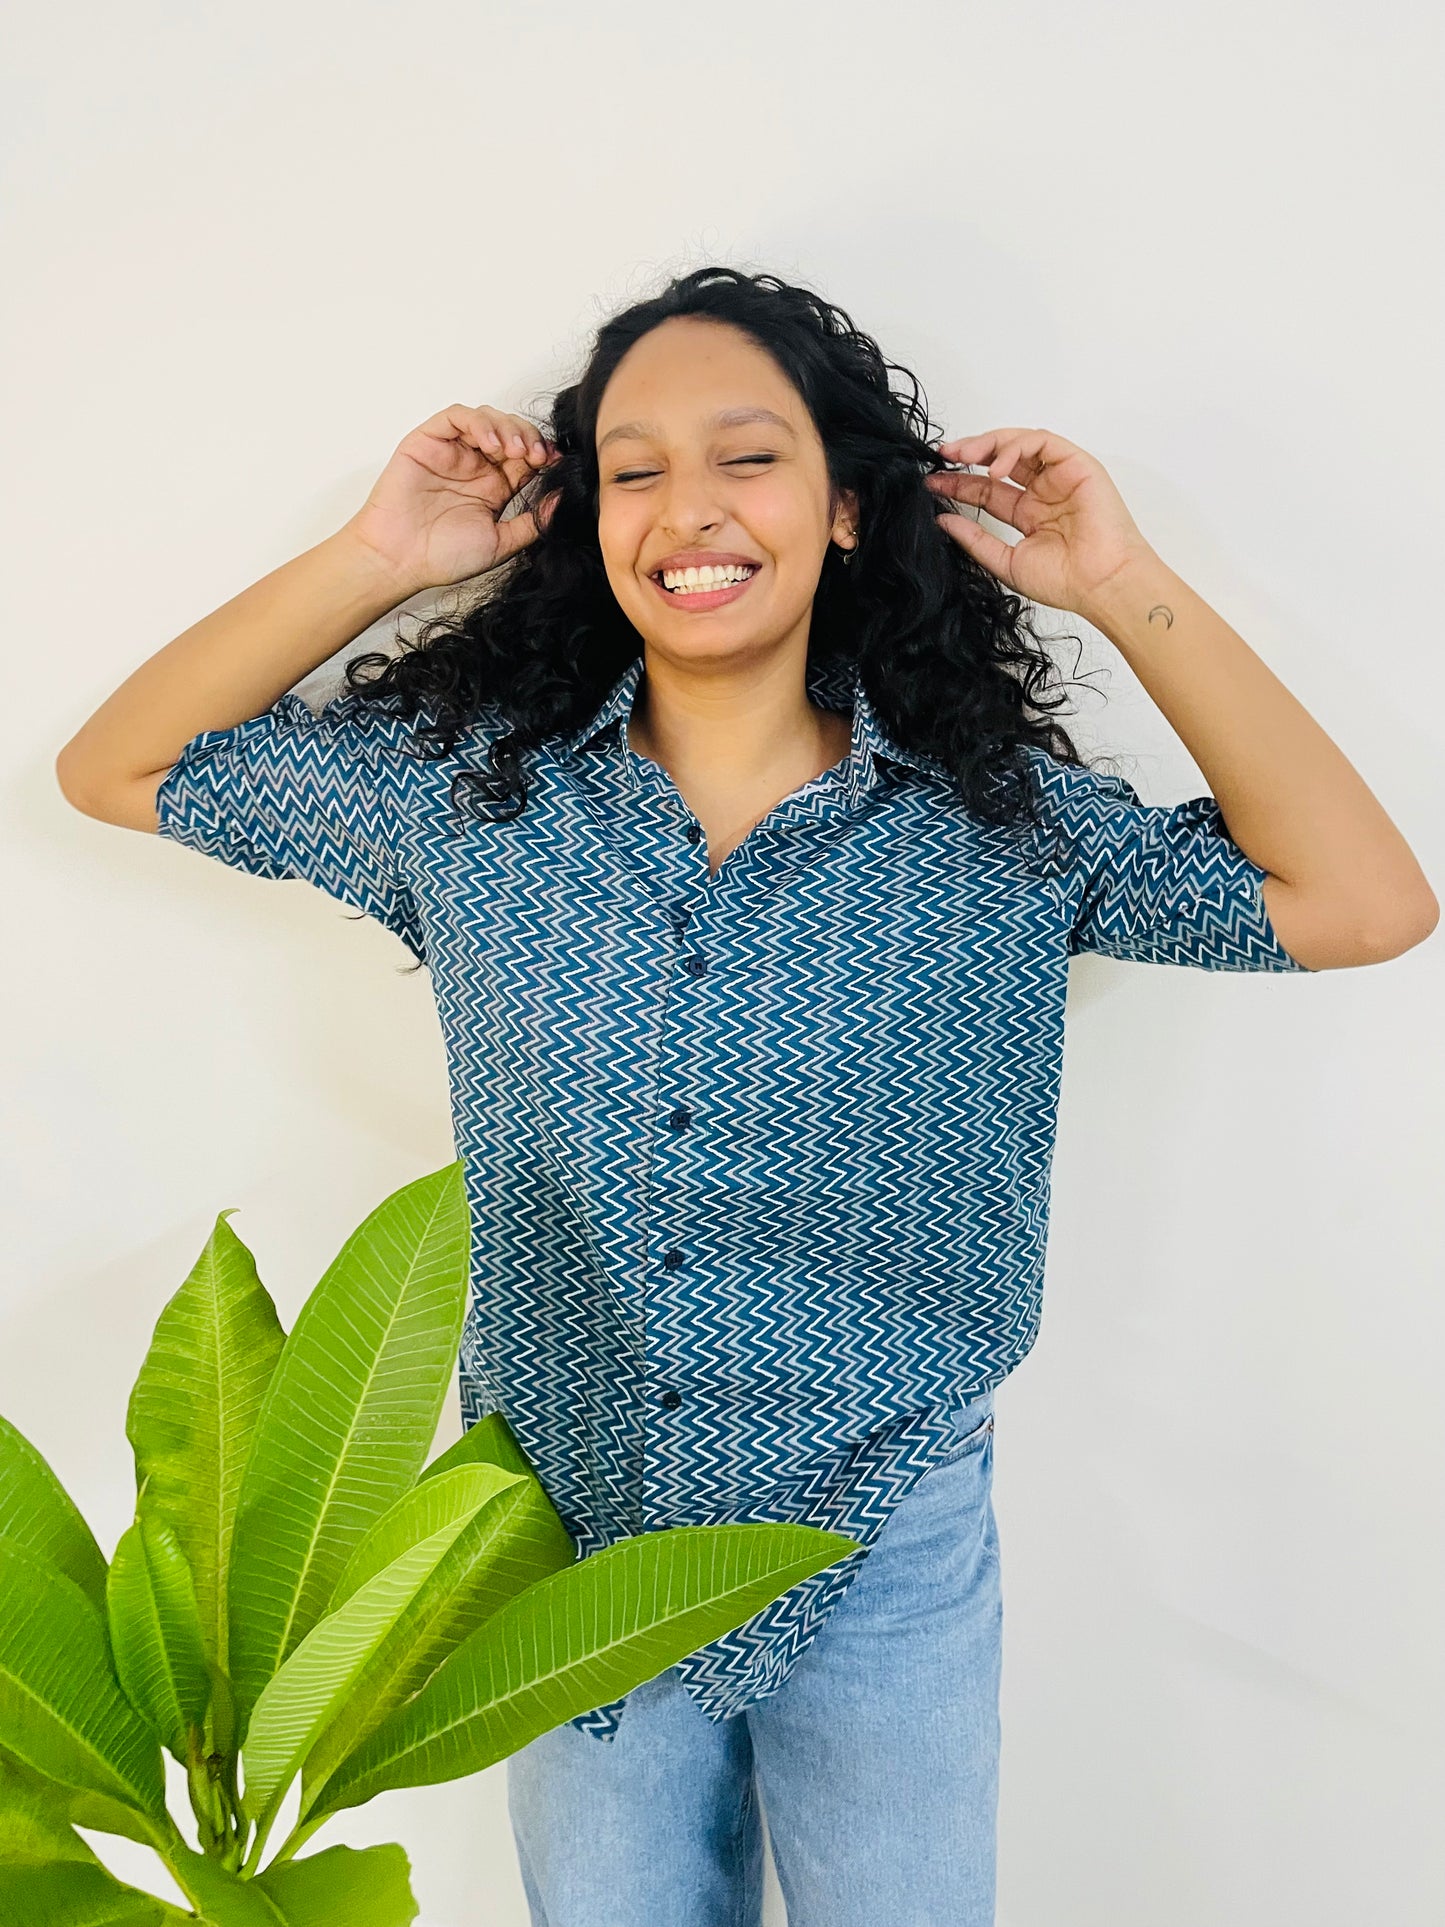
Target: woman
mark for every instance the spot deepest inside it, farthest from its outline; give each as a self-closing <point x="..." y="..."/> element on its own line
<point x="747" y="863"/>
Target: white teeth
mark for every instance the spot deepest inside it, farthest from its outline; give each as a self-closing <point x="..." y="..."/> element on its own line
<point x="709" y="576"/>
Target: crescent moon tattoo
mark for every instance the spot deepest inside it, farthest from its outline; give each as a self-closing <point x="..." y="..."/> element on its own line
<point x="1162" y="609"/>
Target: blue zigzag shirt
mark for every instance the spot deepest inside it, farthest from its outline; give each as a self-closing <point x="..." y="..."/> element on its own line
<point x="757" y="1161"/>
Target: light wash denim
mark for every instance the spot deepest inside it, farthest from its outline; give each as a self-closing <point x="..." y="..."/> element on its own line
<point x="876" y="1760"/>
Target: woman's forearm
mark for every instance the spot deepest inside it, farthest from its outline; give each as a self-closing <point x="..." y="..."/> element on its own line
<point x="231" y="665"/>
<point x="1290" y="797"/>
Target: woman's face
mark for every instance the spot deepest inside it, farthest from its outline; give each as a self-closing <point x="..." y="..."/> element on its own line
<point x="673" y="476"/>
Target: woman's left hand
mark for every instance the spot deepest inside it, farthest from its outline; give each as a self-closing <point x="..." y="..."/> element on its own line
<point x="1076" y="531"/>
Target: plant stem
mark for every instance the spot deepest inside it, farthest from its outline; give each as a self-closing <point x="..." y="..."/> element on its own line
<point x="253" y="1858"/>
<point x="209" y="1820"/>
<point x="298" y="1836"/>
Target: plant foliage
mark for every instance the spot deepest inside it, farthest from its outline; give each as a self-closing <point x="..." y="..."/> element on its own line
<point x="301" y="1595"/>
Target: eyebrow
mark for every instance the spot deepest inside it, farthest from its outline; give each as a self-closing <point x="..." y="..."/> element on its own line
<point x="726" y="418"/>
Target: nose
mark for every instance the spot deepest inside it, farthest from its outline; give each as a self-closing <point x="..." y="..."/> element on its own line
<point x="685" y="506"/>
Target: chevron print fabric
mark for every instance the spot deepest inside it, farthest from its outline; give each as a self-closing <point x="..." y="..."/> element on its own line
<point x="758" y="1163"/>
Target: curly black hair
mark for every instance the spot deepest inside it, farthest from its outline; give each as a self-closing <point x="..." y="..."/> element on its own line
<point x="944" y="651"/>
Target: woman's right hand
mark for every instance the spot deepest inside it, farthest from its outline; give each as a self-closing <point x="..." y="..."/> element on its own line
<point x="432" y="516"/>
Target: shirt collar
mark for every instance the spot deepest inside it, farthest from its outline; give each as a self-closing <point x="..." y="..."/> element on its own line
<point x="835" y="685"/>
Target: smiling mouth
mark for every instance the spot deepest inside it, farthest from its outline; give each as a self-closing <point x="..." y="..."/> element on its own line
<point x="684" y="591"/>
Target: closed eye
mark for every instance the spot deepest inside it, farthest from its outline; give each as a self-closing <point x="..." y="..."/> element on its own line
<point x="633" y="474"/>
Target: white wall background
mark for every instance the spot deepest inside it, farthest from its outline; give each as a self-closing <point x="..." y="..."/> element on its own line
<point x="250" y="247"/>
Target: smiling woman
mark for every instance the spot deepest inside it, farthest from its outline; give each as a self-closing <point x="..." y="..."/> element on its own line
<point x="734" y="418"/>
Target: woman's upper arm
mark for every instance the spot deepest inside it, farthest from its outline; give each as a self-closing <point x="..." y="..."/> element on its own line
<point x="1321" y="935"/>
<point x="131" y="806"/>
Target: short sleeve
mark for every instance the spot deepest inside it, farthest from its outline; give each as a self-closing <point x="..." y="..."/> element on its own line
<point x="1153" y="882"/>
<point x="297" y="794"/>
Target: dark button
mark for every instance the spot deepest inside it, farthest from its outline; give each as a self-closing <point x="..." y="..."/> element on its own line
<point x="680" y="916"/>
<point x="697" y="966"/>
<point x="671" y="1259"/>
<point x="672" y="1400"/>
<point x="694" y="832"/>
<point x="680" y="1118"/>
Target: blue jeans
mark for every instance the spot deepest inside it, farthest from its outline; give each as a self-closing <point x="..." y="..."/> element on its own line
<point x="875" y="1762"/>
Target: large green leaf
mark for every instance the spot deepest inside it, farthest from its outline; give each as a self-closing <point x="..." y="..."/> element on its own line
<point x="343" y="1887"/>
<point x="224" y="1898"/>
<point x="38" y="1514"/>
<point x="70" y="1893"/>
<point x="344" y="1425"/>
<point x="297" y="1702"/>
<point x="577" y="1639"/>
<point x="49" y="1876"/>
<point x="60" y="1706"/>
<point x="456" y="1496"/>
<point x="193" y="1411"/>
<point x="513" y="1542"/>
<point x="491" y="1441"/>
<point x="34" y="1828"/>
<point x="73" y="1806"/>
<point x="155" y="1633"/>
<point x="340" y="1887"/>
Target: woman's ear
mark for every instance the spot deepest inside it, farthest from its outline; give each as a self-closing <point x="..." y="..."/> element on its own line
<point x="845" y="520"/>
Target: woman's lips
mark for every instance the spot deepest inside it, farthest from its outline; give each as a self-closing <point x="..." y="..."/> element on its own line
<point x="705" y="598"/>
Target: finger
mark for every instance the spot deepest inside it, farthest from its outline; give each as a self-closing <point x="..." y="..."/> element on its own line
<point x="997" y="451"/>
<point x="502" y="441"/>
<point x="1017" y="454"/>
<point x="450" y="424"/>
<point x="517" y="532"/>
<point x="991" y="440"/>
<point x="462" y="425"/>
<point x="528" y="439"/>
<point x="518" y="438"/>
<point x="980" y="448"/>
<point x="506" y="446"/>
<point x="1000" y="499"/>
<point x="957" y="482"/>
<point x="1009" y="464"/>
<point x="516" y="434"/>
<point x="486" y="432"/>
<point x="996" y="556"/>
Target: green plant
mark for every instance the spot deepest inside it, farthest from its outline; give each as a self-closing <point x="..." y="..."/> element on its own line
<point x="300" y="1594"/>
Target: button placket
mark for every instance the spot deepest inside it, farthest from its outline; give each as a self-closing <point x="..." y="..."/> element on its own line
<point x="675" y="1066"/>
<point x="679" y="1119"/>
